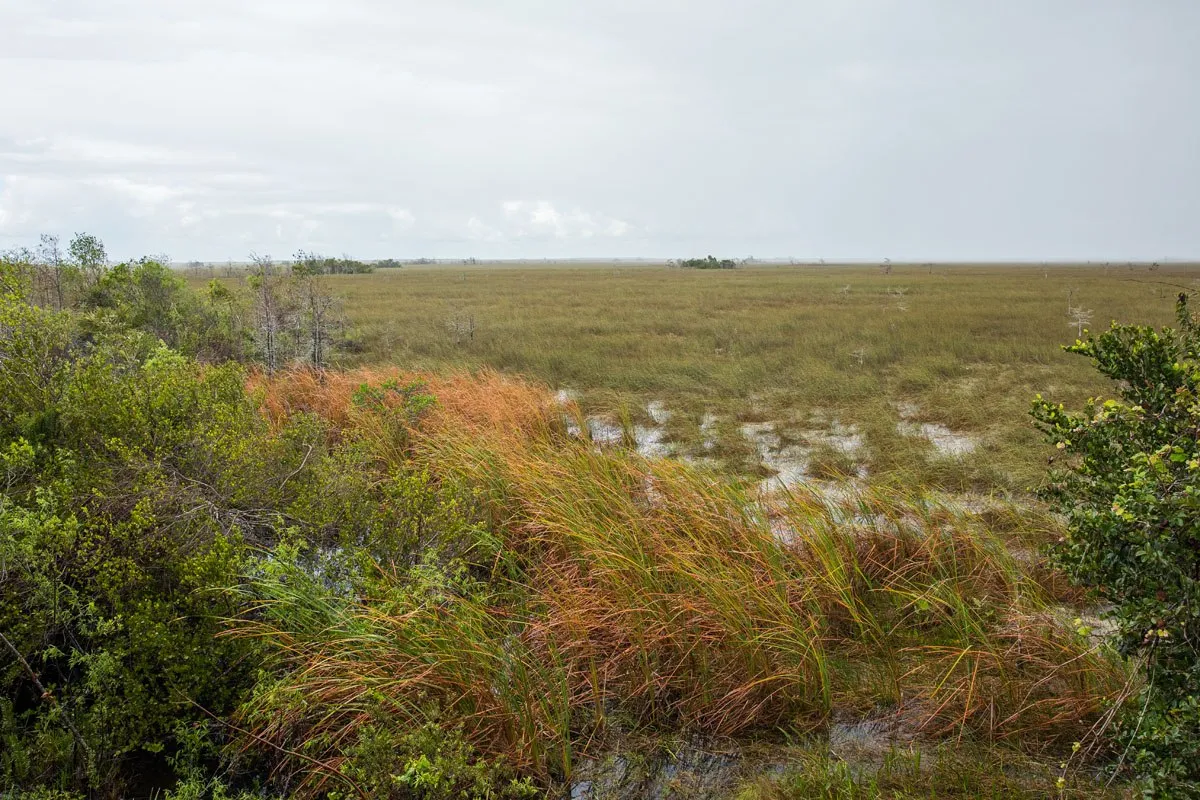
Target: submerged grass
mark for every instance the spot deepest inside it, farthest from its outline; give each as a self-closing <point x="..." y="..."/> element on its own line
<point x="609" y="589"/>
<point x="944" y="772"/>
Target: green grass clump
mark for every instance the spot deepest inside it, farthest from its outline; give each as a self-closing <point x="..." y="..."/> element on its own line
<point x="963" y="771"/>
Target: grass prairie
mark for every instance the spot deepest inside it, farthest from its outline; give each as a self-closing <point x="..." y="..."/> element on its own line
<point x="922" y="376"/>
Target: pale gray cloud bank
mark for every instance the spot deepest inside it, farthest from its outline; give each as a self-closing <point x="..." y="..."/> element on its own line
<point x="924" y="129"/>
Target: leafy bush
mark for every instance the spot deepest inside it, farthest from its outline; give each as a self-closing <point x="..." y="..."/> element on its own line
<point x="1131" y="493"/>
<point x="428" y="763"/>
<point x="123" y="465"/>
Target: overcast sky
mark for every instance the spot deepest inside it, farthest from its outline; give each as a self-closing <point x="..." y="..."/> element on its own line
<point x="909" y="129"/>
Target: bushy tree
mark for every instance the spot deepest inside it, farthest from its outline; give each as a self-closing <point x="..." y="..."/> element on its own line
<point x="87" y="255"/>
<point x="1130" y="491"/>
<point x="711" y="262"/>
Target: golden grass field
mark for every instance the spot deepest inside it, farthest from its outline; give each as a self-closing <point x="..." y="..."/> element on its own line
<point x="870" y="356"/>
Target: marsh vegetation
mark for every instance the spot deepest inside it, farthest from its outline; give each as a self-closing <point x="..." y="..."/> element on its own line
<point x="758" y="533"/>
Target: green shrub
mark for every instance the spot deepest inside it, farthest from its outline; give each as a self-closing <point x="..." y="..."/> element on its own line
<point x="120" y="482"/>
<point x="429" y="763"/>
<point x="1130" y="490"/>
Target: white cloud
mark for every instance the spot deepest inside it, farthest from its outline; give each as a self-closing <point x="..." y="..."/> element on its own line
<point x="144" y="199"/>
<point x="402" y="217"/>
<point x="480" y="231"/>
<point x="33" y="204"/>
<point x="540" y="218"/>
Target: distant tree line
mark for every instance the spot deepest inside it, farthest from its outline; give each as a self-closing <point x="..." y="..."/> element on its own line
<point x="318" y="264"/>
<point x="315" y="264"/>
<point x="711" y="262"/>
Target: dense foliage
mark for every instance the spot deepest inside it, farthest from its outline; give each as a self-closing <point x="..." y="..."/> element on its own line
<point x="107" y="438"/>
<point x="1131" y="494"/>
<point x="277" y="316"/>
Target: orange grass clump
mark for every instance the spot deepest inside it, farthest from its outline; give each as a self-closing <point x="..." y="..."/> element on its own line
<point x="485" y="400"/>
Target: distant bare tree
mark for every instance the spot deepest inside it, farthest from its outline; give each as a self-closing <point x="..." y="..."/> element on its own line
<point x="318" y="316"/>
<point x="462" y="327"/>
<point x="293" y="315"/>
<point x="1080" y="318"/>
<point x="269" y="309"/>
<point x="53" y="269"/>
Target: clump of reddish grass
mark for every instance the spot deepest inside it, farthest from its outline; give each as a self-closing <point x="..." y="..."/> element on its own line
<point x="484" y="400"/>
<point x="656" y="588"/>
<point x="324" y="394"/>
